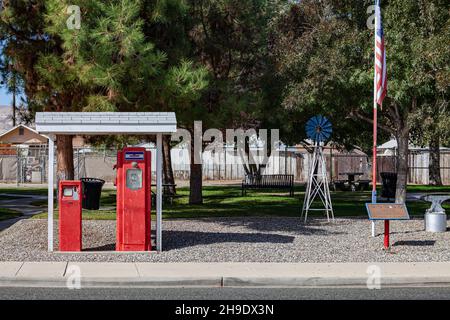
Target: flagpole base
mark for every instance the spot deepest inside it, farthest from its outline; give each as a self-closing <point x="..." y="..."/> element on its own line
<point x="374" y="200"/>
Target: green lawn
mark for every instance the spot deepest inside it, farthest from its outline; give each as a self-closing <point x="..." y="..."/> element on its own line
<point x="8" y="214"/>
<point x="7" y="197"/>
<point x="226" y="201"/>
<point x="24" y="190"/>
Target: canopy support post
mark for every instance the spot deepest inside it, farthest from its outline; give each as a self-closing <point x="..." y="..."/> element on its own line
<point x="50" y="184"/>
<point x="159" y="174"/>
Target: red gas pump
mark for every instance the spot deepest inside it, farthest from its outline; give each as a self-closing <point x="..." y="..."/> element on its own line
<point x="133" y="184"/>
<point x="70" y="215"/>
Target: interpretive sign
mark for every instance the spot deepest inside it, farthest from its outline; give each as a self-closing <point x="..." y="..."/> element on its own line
<point x="387" y="211"/>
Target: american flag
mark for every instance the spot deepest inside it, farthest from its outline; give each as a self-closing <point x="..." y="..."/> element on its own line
<point x="380" y="57"/>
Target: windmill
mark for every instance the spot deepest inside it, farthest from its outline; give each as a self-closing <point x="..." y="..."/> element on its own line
<point x="318" y="129"/>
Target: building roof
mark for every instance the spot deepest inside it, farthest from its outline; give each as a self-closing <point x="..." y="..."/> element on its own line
<point x="30" y="137"/>
<point x="93" y="123"/>
<point x="392" y="144"/>
<point x="299" y="148"/>
<point x="388" y="147"/>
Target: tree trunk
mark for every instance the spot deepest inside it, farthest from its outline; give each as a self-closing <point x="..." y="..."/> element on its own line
<point x="402" y="165"/>
<point x="434" y="163"/>
<point x="195" y="189"/>
<point x="252" y="168"/>
<point x="64" y="157"/>
<point x="167" y="165"/>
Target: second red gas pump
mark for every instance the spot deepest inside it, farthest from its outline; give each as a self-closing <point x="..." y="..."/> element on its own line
<point x="133" y="184"/>
<point x="70" y="215"/>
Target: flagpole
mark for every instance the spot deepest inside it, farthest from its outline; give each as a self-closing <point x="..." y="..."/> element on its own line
<point x="375" y="127"/>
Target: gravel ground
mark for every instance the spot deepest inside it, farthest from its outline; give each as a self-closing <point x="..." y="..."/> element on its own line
<point x="241" y="240"/>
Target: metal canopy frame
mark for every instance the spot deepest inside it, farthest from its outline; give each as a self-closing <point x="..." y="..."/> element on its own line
<point x="105" y="123"/>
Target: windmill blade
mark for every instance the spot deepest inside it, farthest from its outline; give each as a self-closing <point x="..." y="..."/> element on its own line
<point x="323" y="121"/>
<point x="318" y="128"/>
<point x="327" y="128"/>
<point x="326" y="124"/>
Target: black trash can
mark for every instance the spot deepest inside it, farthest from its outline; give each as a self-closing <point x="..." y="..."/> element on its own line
<point x="389" y="184"/>
<point x="92" y="190"/>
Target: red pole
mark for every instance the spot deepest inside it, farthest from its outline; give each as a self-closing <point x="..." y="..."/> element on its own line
<point x="374" y="155"/>
<point x="386" y="234"/>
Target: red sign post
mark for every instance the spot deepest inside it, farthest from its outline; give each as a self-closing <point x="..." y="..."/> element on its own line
<point x="386" y="234"/>
<point x="387" y="212"/>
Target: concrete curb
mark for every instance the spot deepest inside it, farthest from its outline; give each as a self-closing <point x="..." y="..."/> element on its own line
<point x="112" y="282"/>
<point x="59" y="274"/>
<point x="330" y="282"/>
<point x="224" y="282"/>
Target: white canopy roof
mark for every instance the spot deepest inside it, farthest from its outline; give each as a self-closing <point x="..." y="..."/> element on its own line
<point x="103" y="123"/>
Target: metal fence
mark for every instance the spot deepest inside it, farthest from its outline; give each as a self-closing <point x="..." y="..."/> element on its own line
<point x="23" y="165"/>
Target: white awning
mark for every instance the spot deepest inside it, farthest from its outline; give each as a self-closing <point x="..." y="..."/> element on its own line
<point x="105" y="123"/>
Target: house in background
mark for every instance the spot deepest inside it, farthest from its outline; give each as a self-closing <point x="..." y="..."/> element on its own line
<point x="23" y="154"/>
<point x="418" y="162"/>
<point x="22" y="135"/>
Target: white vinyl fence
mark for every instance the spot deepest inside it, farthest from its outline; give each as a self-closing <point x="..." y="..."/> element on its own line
<point x="23" y="165"/>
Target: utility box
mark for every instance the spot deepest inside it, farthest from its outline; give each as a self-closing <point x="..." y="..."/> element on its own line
<point x="133" y="184"/>
<point x="70" y="194"/>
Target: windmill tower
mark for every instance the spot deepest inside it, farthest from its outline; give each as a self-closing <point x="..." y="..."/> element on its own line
<point x="318" y="129"/>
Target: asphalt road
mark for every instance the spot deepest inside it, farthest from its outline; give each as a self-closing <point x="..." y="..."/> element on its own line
<point x="409" y="293"/>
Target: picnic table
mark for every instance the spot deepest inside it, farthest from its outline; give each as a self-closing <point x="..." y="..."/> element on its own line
<point x="351" y="175"/>
<point x="351" y="182"/>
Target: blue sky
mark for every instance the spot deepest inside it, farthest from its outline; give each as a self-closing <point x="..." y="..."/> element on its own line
<point x="5" y="98"/>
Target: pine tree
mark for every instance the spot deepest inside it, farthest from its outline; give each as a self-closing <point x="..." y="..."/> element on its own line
<point x="48" y="83"/>
<point x="132" y="56"/>
<point x="108" y="64"/>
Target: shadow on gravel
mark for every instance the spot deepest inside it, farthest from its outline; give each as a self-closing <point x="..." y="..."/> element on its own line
<point x="415" y="243"/>
<point x="296" y="226"/>
<point x="106" y="247"/>
<point x="181" y="239"/>
<point x="407" y="231"/>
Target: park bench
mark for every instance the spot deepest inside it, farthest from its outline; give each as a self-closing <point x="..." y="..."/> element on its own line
<point x="345" y="185"/>
<point x="268" y="181"/>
